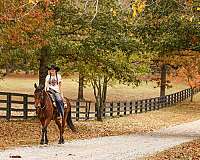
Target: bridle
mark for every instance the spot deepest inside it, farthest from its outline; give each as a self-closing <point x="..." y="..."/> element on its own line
<point x="39" y="99"/>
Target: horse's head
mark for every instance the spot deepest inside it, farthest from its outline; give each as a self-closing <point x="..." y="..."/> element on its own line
<point x="39" y="97"/>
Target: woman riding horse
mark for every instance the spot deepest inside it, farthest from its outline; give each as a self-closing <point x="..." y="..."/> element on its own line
<point x="45" y="109"/>
<point x="53" y="85"/>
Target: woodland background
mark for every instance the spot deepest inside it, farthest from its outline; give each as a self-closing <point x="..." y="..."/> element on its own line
<point x="103" y="41"/>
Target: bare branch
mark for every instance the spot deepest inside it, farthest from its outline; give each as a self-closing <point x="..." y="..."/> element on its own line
<point x="97" y="3"/>
<point x="85" y="6"/>
<point x="28" y="11"/>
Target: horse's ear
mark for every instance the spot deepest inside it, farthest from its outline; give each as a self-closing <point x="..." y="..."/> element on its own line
<point x="41" y="86"/>
<point x="35" y="85"/>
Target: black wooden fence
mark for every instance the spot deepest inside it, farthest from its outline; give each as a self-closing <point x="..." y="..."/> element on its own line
<point x="20" y="106"/>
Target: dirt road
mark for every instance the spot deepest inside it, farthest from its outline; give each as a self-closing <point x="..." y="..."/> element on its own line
<point x="126" y="147"/>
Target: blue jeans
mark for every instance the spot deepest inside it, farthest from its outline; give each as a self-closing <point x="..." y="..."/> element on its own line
<point x="59" y="101"/>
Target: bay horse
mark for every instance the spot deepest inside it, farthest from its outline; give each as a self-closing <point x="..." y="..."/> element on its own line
<point x="46" y="112"/>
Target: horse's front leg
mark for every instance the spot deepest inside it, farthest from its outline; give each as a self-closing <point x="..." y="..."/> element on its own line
<point x="47" y="121"/>
<point x="43" y="131"/>
<point x="61" y="139"/>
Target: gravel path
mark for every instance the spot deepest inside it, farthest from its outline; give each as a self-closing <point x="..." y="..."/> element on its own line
<point x="128" y="147"/>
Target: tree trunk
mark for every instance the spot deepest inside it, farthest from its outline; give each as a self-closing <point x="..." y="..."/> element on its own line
<point x="80" y="87"/>
<point x="192" y="94"/>
<point x="100" y="92"/>
<point x="163" y="79"/>
<point x="99" y="101"/>
<point x="7" y="69"/>
<point x="43" y="71"/>
<point x="104" y="91"/>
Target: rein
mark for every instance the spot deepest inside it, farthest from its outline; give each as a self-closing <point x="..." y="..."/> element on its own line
<point x="43" y="106"/>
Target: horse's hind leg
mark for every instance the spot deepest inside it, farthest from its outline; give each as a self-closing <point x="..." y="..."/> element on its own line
<point x="61" y="140"/>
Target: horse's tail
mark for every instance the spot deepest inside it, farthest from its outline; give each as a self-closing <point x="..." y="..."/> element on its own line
<point x="69" y="117"/>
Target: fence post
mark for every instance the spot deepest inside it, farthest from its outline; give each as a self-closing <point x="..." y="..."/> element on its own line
<point x="77" y="110"/>
<point x="104" y="110"/>
<point x="154" y="103"/>
<point x="181" y="96"/>
<point x="131" y="107"/>
<point x="175" y="98"/>
<point x="136" y="107"/>
<point x="25" y="106"/>
<point x="187" y="93"/>
<point x="165" y="101"/>
<point x="124" y="108"/>
<point x="178" y="97"/>
<point x="145" y="105"/>
<point x="150" y="104"/>
<point x="184" y="94"/>
<point x="141" y="105"/>
<point x="118" y="108"/>
<point x="88" y="112"/>
<point x="111" y="109"/>
<point x="8" y="113"/>
<point x="158" y="103"/>
<point x="168" y="100"/>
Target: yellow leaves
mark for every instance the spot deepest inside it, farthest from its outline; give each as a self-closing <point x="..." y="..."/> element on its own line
<point x="33" y="1"/>
<point x="114" y="12"/>
<point x="137" y="7"/>
<point x="198" y="8"/>
<point x="191" y="18"/>
<point x="141" y="7"/>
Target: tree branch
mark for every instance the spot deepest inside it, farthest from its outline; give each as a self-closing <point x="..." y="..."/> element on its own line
<point x="97" y="3"/>
<point x="72" y="32"/>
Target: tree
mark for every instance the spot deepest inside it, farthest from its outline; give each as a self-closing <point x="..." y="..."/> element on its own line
<point x="25" y="31"/>
<point x="166" y="26"/>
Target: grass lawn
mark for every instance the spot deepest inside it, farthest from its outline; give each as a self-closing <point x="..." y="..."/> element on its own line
<point x="117" y="92"/>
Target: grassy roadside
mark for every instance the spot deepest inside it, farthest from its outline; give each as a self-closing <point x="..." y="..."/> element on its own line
<point x="18" y="133"/>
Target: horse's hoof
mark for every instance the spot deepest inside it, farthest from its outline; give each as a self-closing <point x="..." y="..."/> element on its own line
<point x="61" y="141"/>
<point x="46" y="142"/>
<point x="41" y="142"/>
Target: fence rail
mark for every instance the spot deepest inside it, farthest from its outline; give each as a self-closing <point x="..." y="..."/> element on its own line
<point x="20" y="106"/>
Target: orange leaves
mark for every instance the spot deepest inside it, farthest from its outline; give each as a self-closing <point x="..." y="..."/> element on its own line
<point x="186" y="67"/>
<point x="26" y="25"/>
<point x="189" y="151"/>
